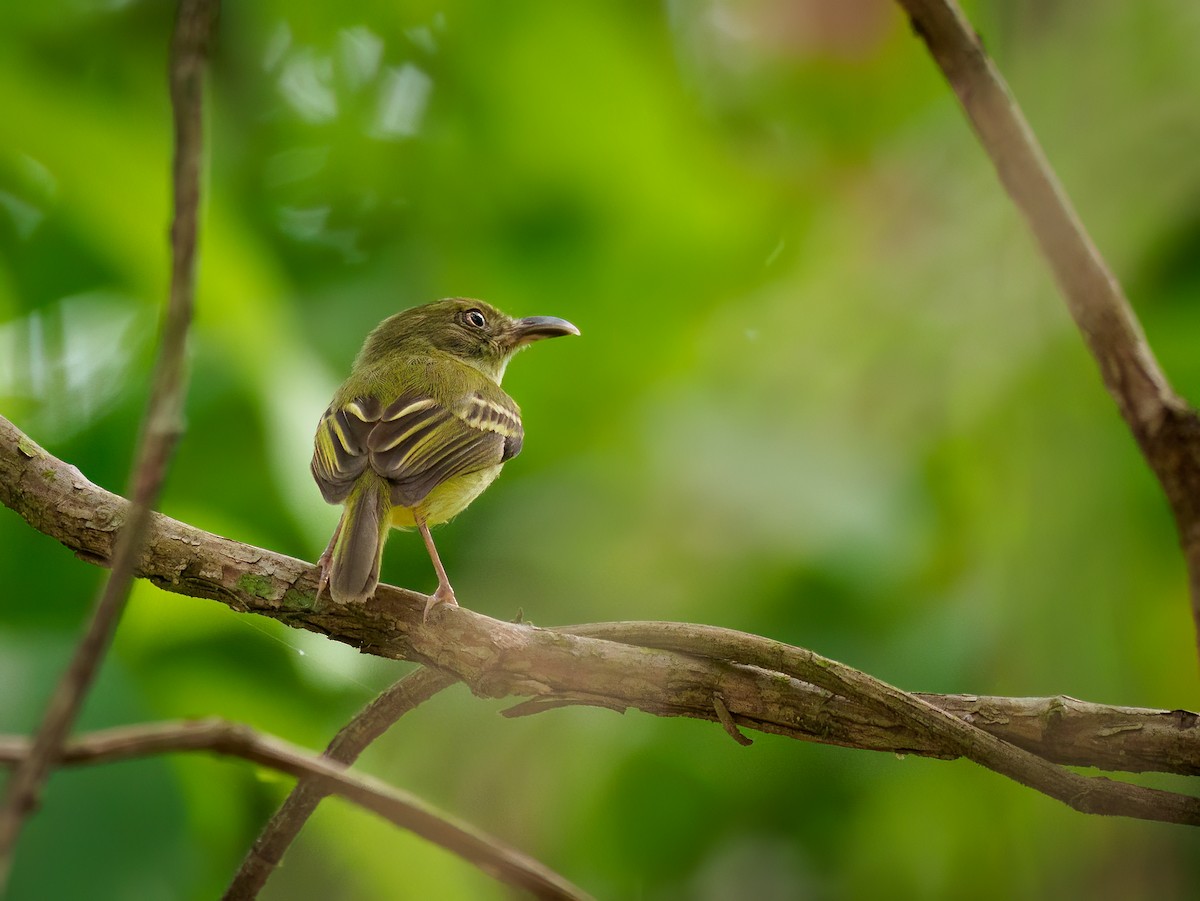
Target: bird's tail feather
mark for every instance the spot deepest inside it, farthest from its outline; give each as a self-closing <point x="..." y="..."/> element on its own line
<point x="354" y="567"/>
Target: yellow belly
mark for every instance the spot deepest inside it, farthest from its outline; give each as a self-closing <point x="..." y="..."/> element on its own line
<point x="447" y="500"/>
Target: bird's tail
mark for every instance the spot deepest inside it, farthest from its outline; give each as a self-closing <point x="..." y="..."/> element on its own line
<point x="358" y="549"/>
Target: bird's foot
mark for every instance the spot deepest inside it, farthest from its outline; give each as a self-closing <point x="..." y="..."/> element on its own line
<point x="325" y="561"/>
<point x="444" y="595"/>
<point x="325" y="564"/>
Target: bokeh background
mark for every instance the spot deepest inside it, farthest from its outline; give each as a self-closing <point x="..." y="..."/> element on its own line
<point x="826" y="392"/>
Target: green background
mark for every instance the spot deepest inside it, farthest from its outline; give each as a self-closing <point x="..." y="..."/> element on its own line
<point x="826" y="392"/>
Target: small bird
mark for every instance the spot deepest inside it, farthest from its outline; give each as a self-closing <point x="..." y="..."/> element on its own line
<point x="419" y="429"/>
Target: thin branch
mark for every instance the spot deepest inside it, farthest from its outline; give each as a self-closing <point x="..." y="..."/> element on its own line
<point x="499" y="659"/>
<point x="1166" y="429"/>
<point x="161" y="428"/>
<point x="236" y="740"/>
<point x="370" y="723"/>
<point x="725" y="718"/>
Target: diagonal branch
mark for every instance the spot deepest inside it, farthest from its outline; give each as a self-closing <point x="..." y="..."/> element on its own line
<point x="1166" y="429"/>
<point x="160" y="430"/>
<point x="787" y="691"/>
<point x="370" y="723"/>
<point x="328" y="776"/>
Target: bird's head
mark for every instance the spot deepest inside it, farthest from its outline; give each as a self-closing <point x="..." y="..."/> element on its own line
<point x="470" y="330"/>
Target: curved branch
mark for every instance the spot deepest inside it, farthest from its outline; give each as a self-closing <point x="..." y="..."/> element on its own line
<point x="236" y="740"/>
<point x="371" y="722"/>
<point x="1085" y="794"/>
<point x="1166" y="428"/>
<point x="498" y="659"/>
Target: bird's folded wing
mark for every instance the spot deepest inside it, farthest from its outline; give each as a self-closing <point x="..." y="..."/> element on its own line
<point x="415" y="443"/>
<point x="340" y="447"/>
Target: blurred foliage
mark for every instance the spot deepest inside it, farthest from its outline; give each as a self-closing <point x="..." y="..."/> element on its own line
<point x="826" y="392"/>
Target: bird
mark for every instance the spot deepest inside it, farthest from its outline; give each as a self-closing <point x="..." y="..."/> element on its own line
<point x="417" y="431"/>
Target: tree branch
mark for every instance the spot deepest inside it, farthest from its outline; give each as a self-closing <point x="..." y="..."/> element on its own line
<point x="1085" y="794"/>
<point x="1166" y="429"/>
<point x="325" y="775"/>
<point x="160" y="430"/>
<point x="770" y="687"/>
<point x="371" y="722"/>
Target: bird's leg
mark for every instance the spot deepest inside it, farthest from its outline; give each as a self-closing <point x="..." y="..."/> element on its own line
<point x="325" y="561"/>
<point x="444" y="593"/>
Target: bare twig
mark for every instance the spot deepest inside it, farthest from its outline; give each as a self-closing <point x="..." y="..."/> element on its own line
<point x="499" y="659"/>
<point x="161" y="428"/>
<point x="236" y="740"/>
<point x="1166" y="429"/>
<point x="282" y="829"/>
<point x="725" y="718"/>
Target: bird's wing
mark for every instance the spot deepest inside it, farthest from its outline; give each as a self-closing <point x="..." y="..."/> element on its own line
<point x="340" y="447"/>
<point x="415" y="443"/>
<point x="420" y="443"/>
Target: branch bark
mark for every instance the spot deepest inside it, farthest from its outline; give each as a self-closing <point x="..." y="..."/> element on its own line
<point x="1085" y="794"/>
<point x="324" y="775"/>
<point x="1166" y="429"/>
<point x="758" y="683"/>
<point x="160" y="430"/>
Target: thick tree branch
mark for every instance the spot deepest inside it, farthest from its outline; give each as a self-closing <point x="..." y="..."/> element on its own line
<point x="1166" y="429"/>
<point x="1086" y="794"/>
<point x="326" y="775"/>
<point x="370" y="723"/>
<point x="498" y="659"/>
<point x="160" y="430"/>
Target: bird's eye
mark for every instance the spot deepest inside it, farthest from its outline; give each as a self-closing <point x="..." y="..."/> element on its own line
<point x="473" y="318"/>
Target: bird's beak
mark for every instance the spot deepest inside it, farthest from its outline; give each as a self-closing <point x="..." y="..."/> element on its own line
<point x="535" y="328"/>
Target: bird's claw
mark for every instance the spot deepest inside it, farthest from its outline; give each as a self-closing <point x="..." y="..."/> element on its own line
<point x="444" y="595"/>
<point x="324" y="563"/>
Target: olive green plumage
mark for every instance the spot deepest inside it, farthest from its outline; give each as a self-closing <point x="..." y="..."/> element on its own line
<point x="419" y="429"/>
